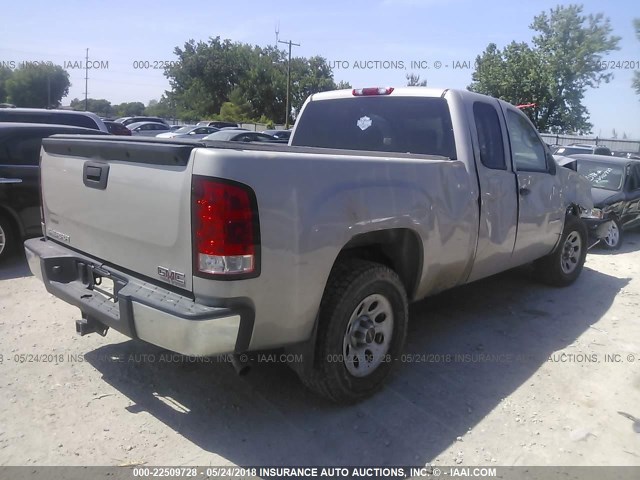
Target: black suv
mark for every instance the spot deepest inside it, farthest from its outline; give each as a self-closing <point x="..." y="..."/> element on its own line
<point x="20" y="179"/>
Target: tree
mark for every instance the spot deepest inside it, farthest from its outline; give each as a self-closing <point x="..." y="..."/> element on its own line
<point x="555" y="72"/>
<point x="100" y="107"/>
<point x="206" y="75"/>
<point x="5" y="75"/>
<point x="614" y="134"/>
<point x="341" y="85"/>
<point x="129" y="109"/>
<point x="162" y="108"/>
<point x="636" y="74"/>
<point x="37" y="86"/>
<point x="413" y="80"/>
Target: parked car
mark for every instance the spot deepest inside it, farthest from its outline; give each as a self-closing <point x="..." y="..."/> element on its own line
<point x="632" y="155"/>
<point x="615" y="187"/>
<point x="386" y="196"/>
<point x="189" y="131"/>
<point x="19" y="180"/>
<point x="116" y="128"/>
<point x="279" y="134"/>
<point x="233" y="135"/>
<point x="126" y="121"/>
<point x="217" y="124"/>
<point x="148" y="129"/>
<point x="57" y="117"/>
<point x="178" y="127"/>
<point x="575" y="149"/>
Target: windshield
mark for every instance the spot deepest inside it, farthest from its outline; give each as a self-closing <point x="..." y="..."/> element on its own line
<point x="184" y="129"/>
<point x="385" y="124"/>
<point x="571" y="150"/>
<point x="602" y="175"/>
<point x="221" y="135"/>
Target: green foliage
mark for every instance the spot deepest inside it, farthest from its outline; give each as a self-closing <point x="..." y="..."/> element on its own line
<point x="129" y="109"/>
<point x="5" y="75"/>
<point x="232" y="112"/>
<point x="162" y="108"/>
<point x="342" y="85"/>
<point x="100" y="107"/>
<point x="266" y="121"/>
<point x="413" y="80"/>
<point x="37" y="86"/>
<point x="554" y="73"/>
<point x="251" y="79"/>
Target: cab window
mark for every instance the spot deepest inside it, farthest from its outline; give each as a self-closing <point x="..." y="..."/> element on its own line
<point x="527" y="149"/>
<point x="489" y="136"/>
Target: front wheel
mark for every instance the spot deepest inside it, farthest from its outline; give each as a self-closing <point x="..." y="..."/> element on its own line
<point x="361" y="332"/>
<point x="563" y="266"/>
<point x="8" y="240"/>
<point x="613" y="239"/>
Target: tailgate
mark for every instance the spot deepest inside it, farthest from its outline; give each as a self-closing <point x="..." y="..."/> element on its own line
<point x="124" y="202"/>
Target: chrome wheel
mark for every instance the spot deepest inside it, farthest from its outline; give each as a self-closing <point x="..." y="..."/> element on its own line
<point x="3" y="240"/>
<point x="613" y="235"/>
<point x="368" y="335"/>
<point x="571" y="252"/>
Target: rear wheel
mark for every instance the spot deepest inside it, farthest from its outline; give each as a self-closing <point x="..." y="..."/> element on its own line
<point x="563" y="266"/>
<point x="362" y="330"/>
<point x="7" y="237"/>
<point x="613" y="240"/>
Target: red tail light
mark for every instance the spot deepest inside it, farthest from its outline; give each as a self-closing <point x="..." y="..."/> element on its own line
<point x="361" y="92"/>
<point x="226" y="234"/>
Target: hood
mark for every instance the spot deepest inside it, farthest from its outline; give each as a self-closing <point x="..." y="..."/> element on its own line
<point x="602" y="196"/>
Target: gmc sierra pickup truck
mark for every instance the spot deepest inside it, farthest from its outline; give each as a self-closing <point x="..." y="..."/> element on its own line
<point x="383" y="196"/>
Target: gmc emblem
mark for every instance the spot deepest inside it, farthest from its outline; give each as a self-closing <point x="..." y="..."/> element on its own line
<point x="171" y="276"/>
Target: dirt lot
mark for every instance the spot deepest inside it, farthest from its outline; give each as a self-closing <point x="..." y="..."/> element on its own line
<point x="502" y="372"/>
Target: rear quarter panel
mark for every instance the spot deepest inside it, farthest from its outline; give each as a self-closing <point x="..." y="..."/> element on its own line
<point x="311" y="205"/>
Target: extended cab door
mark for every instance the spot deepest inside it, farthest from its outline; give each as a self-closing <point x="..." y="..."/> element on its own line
<point x="540" y="205"/>
<point x="498" y="197"/>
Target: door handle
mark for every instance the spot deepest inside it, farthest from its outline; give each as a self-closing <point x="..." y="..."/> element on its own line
<point x="95" y="175"/>
<point x="10" y="180"/>
<point x="524" y="191"/>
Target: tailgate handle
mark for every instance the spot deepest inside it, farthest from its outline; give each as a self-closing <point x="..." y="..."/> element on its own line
<point x="95" y="175"/>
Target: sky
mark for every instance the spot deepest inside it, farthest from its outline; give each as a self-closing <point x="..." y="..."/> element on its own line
<point x="368" y="43"/>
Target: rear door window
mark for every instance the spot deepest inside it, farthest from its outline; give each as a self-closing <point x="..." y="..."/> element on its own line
<point x="489" y="136"/>
<point x="376" y="123"/>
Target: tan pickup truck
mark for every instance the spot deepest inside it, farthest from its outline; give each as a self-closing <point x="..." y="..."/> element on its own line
<point x="382" y="197"/>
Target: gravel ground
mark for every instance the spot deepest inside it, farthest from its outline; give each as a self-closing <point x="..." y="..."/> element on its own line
<point x="501" y="372"/>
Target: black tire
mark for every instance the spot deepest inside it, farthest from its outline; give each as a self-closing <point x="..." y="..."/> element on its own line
<point x="563" y="266"/>
<point x="352" y="283"/>
<point x="8" y="239"/>
<point x="613" y="240"/>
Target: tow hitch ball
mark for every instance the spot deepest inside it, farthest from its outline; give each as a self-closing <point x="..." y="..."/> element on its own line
<point x="88" y="325"/>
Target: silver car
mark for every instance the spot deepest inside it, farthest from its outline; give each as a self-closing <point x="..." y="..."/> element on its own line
<point x="189" y="131"/>
<point x="148" y="129"/>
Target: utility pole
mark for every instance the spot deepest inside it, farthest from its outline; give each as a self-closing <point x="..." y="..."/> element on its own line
<point x="86" y="82"/>
<point x="286" y="118"/>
